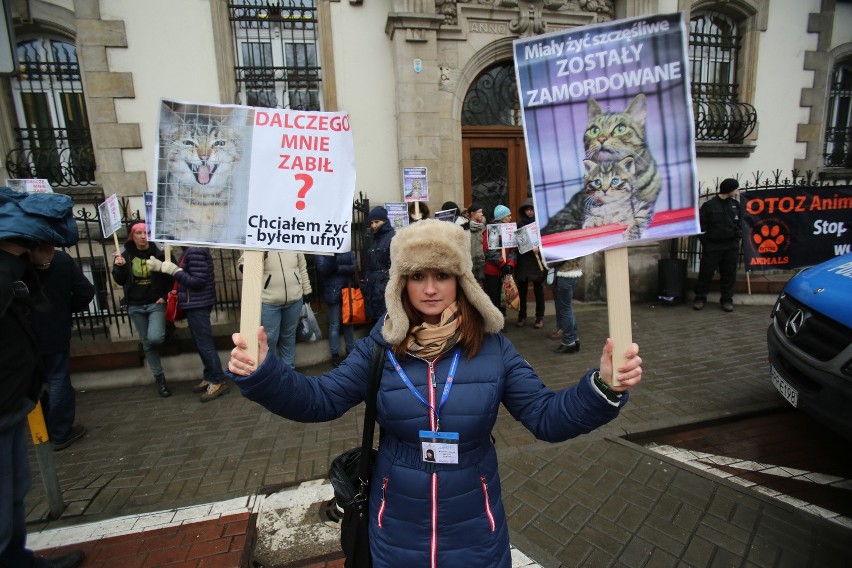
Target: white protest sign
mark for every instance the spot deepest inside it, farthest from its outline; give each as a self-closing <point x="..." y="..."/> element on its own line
<point x="110" y="215"/>
<point x="254" y="178"/>
<point x="527" y="237"/>
<point x="29" y="185"/>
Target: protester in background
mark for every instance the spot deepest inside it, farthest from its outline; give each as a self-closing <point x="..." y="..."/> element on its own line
<point x="196" y="297"/>
<point x="441" y="331"/>
<point x="721" y="225"/>
<point x="476" y="226"/>
<point x="21" y="373"/>
<point x="530" y="270"/>
<point x="421" y="213"/>
<point x="566" y="278"/>
<point x="145" y="295"/>
<point x="499" y="262"/>
<point x="377" y="262"/>
<point x="460" y="217"/>
<point x="336" y="272"/>
<point x="67" y="291"/>
<point x="286" y="287"/>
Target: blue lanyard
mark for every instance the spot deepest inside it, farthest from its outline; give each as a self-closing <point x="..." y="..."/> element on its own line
<point x="447" y="386"/>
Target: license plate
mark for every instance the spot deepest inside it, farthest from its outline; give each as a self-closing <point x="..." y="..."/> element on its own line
<point x="788" y="392"/>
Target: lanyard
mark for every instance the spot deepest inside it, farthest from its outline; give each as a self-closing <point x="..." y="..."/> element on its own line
<point x="447" y="386"/>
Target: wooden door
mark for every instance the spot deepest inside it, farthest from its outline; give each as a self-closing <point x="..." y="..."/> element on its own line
<point x="495" y="167"/>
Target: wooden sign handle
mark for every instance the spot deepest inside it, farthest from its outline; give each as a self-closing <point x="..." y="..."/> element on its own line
<point x="250" y="300"/>
<point x="618" y="306"/>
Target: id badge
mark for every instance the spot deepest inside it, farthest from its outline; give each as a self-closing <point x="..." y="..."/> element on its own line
<point x="439" y="447"/>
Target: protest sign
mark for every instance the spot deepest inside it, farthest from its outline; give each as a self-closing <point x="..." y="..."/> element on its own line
<point x="29" y="185"/>
<point x="397" y="215"/>
<point x="501" y="235"/>
<point x="609" y="133"/>
<point x="253" y="178"/>
<point x="610" y="141"/>
<point x="148" y="198"/>
<point x="447" y="215"/>
<point x="796" y="226"/>
<point x="415" y="184"/>
<point x="527" y="237"/>
<point x="109" y="214"/>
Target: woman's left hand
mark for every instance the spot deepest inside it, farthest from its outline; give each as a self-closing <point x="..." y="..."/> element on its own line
<point x="628" y="374"/>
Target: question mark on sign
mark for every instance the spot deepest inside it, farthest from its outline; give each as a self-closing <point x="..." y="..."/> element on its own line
<point x="307" y="183"/>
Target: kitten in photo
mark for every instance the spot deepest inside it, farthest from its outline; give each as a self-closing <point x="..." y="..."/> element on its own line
<point x="198" y="154"/>
<point x="614" y="136"/>
<point x="610" y="197"/>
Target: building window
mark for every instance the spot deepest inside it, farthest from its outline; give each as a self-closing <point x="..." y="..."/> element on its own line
<point x="277" y="63"/>
<point x="493" y="99"/>
<point x="714" y="54"/>
<point x="53" y="140"/>
<point x="838" y="129"/>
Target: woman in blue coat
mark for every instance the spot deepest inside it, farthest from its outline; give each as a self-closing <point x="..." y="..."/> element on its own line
<point x="336" y="271"/>
<point x="435" y="493"/>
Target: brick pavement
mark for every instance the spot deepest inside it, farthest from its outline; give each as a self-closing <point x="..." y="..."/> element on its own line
<point x="600" y="500"/>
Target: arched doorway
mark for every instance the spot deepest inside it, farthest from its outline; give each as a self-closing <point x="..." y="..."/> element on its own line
<point x="494" y="157"/>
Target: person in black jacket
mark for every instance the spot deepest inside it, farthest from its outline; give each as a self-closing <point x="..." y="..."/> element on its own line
<point x="721" y="224"/>
<point x="529" y="270"/>
<point x="196" y="297"/>
<point x="145" y="293"/>
<point x="378" y="262"/>
<point x="336" y="272"/>
<point x="67" y="291"/>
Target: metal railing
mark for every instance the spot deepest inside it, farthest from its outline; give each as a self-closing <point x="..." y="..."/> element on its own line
<point x="106" y="317"/>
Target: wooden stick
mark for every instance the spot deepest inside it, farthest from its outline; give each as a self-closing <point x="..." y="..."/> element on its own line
<point x="748" y="281"/>
<point x="117" y="246"/>
<point x="538" y="260"/>
<point x="250" y="301"/>
<point x="618" y="306"/>
<point x="416" y="215"/>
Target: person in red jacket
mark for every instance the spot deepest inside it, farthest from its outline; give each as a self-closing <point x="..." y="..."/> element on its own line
<point x="499" y="262"/>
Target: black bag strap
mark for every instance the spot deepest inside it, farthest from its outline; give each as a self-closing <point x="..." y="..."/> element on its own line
<point x="370" y="416"/>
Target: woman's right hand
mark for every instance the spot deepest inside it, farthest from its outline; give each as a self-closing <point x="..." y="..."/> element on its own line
<point x="240" y="362"/>
<point x="119" y="260"/>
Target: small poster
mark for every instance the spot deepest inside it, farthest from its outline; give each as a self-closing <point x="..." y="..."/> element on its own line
<point x="149" y="210"/>
<point x="527" y="237"/>
<point x="447" y="215"/>
<point x="415" y="185"/>
<point x="109" y="213"/>
<point x="29" y="185"/>
<point x="397" y="215"/>
<point x="501" y="235"/>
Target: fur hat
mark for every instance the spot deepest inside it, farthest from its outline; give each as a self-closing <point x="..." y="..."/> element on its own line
<point x="378" y="213"/>
<point x="728" y="185"/>
<point x="433" y="245"/>
<point x="500" y="212"/>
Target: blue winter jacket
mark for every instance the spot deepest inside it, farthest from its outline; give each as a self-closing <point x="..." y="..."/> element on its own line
<point x="197" y="281"/>
<point x="469" y="526"/>
<point x="336" y="271"/>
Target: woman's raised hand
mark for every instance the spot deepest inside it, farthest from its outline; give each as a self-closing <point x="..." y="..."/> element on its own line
<point x="240" y="362"/>
<point x="628" y="374"/>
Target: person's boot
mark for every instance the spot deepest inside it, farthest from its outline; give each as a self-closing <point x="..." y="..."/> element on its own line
<point x="162" y="387"/>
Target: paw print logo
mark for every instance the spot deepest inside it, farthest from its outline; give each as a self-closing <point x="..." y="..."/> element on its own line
<point x="769" y="237"/>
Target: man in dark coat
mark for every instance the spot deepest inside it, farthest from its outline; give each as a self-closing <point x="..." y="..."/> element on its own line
<point x="67" y="291"/>
<point x="196" y="296"/>
<point x="721" y="223"/>
<point x="378" y="262"/>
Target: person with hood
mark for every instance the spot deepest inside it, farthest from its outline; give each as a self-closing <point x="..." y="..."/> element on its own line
<point x="145" y="294"/>
<point x="377" y="262"/>
<point x="499" y="262"/>
<point x="529" y="270"/>
<point x="336" y="271"/>
<point x="286" y="288"/>
<point x="25" y="221"/>
<point x="196" y="294"/>
<point x="447" y="368"/>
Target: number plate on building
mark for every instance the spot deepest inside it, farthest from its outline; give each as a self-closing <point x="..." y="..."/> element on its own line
<point x="788" y="392"/>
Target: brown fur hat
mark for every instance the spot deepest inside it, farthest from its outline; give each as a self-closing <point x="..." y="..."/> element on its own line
<point x="436" y="245"/>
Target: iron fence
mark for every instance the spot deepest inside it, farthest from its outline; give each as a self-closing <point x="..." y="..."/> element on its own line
<point x="689" y="248"/>
<point x="106" y="317"/>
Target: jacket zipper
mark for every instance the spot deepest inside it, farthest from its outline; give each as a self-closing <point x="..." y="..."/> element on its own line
<point x="488" y="512"/>
<point x="384" y="501"/>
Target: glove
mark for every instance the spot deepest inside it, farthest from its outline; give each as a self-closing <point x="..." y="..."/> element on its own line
<point x="171" y="268"/>
<point x="507" y="269"/>
<point x="154" y="264"/>
<point x="306" y="298"/>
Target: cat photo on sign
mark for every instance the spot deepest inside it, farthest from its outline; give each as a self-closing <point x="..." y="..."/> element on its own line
<point x="202" y="179"/>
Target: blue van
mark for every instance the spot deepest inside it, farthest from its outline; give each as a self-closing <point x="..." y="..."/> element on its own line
<point x="810" y="343"/>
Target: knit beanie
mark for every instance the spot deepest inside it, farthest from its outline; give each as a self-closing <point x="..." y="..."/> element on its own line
<point x="378" y="213"/>
<point x="501" y="211"/>
<point x="728" y="185"/>
<point x="474" y="207"/>
<point x="433" y="245"/>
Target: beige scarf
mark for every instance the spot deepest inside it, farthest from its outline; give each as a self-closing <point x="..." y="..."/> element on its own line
<point x="427" y="340"/>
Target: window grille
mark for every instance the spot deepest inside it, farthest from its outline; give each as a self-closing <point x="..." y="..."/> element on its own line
<point x="277" y="59"/>
<point x="53" y="140"/>
<point x="714" y="51"/>
<point x="838" y="129"/>
<point x="493" y="99"/>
